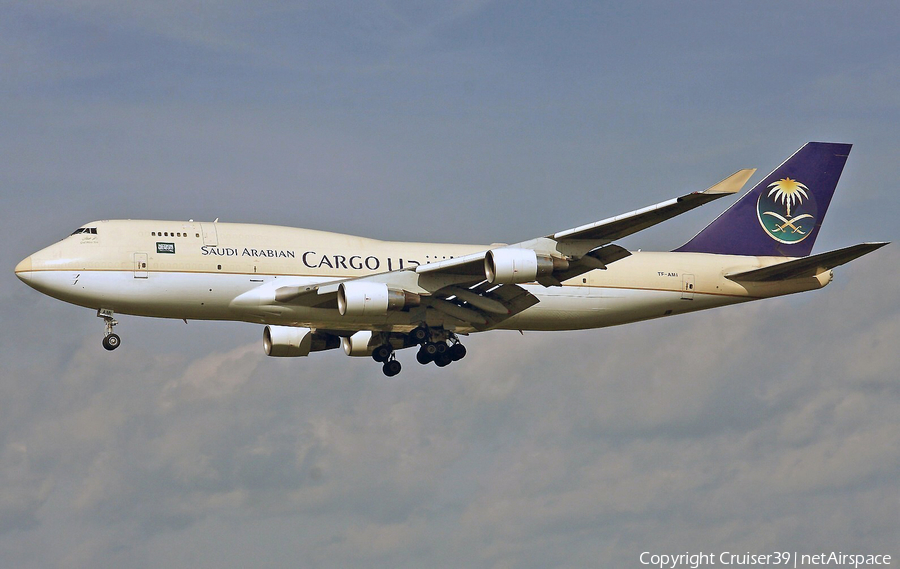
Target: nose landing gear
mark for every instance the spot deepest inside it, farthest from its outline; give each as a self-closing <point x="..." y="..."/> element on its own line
<point x="110" y="341"/>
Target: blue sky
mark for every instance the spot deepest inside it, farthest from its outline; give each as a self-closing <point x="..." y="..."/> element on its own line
<point x="467" y="122"/>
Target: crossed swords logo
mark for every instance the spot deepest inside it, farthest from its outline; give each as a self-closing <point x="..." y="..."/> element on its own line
<point x="788" y="223"/>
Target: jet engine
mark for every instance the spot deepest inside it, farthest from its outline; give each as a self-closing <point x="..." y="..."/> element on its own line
<point x="293" y="341"/>
<point x="511" y="266"/>
<point x="355" y="298"/>
<point x="358" y="344"/>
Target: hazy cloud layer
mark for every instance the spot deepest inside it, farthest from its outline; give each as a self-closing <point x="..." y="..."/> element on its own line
<point x="768" y="426"/>
<point x="725" y="430"/>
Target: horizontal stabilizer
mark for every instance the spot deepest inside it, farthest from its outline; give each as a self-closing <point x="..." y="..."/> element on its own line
<point x="807" y="266"/>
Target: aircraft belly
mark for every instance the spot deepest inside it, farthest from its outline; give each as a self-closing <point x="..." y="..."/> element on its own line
<point x="608" y="307"/>
<point x="164" y="295"/>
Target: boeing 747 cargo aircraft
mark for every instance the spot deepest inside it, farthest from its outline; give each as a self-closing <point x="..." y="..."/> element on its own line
<point x="316" y="290"/>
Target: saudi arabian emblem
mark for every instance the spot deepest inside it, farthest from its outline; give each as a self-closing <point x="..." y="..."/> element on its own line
<point x="787" y="211"/>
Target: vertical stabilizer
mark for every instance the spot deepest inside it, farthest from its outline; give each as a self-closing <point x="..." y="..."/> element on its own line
<point x="782" y="214"/>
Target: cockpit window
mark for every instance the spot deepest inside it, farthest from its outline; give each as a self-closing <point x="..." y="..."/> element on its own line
<point x="91" y="230"/>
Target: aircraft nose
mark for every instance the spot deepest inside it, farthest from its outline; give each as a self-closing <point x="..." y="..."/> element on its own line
<point x="23" y="269"/>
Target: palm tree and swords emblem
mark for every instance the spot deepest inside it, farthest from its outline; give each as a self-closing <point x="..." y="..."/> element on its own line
<point x="797" y="215"/>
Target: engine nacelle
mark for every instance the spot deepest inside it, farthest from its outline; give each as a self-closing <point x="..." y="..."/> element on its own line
<point x="511" y="266"/>
<point x="358" y="344"/>
<point x="287" y="341"/>
<point x="293" y="341"/>
<point x="356" y="298"/>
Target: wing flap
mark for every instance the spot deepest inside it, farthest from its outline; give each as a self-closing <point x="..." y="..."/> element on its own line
<point x="807" y="266"/>
<point x="484" y="305"/>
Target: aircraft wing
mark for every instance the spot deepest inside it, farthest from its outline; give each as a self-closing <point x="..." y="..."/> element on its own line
<point x="578" y="242"/>
<point x="467" y="298"/>
<point x="620" y="226"/>
<point x="461" y="288"/>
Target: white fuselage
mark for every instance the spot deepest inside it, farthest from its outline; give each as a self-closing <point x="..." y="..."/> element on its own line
<point x="229" y="271"/>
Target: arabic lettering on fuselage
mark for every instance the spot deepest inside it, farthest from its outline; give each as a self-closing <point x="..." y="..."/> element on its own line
<point x="313" y="260"/>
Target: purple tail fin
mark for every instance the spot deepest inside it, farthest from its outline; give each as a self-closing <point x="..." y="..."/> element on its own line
<point x="782" y="214"/>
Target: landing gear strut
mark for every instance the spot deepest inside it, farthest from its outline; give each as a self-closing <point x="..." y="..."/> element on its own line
<point x="110" y="341"/>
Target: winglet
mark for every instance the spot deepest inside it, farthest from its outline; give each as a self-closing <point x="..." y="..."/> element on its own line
<point x="732" y="184"/>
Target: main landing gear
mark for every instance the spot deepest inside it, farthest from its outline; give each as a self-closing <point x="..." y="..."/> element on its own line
<point x="110" y="341"/>
<point x="385" y="354"/>
<point x="441" y="353"/>
<point x="435" y="345"/>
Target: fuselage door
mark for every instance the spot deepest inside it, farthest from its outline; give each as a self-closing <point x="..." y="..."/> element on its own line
<point x="140" y="265"/>
<point x="687" y="287"/>
<point x="210" y="236"/>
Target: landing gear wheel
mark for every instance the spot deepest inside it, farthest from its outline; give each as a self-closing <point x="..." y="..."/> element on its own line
<point x="431" y="349"/>
<point x="442" y="347"/>
<point x="423" y="357"/>
<point x="111" y="342"/>
<point x="419" y="335"/>
<point x="391" y="368"/>
<point x="457" y="352"/>
<point x="382" y="353"/>
<point x="442" y="360"/>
